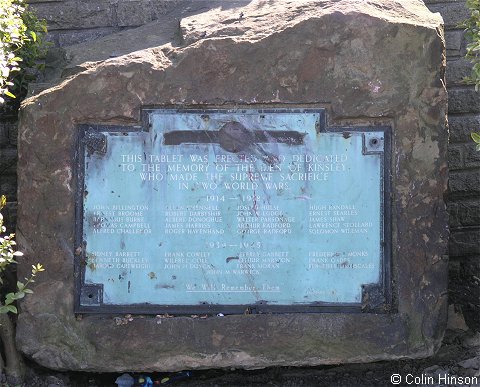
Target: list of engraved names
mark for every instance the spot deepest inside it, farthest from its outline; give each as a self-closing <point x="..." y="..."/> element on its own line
<point x="242" y="195"/>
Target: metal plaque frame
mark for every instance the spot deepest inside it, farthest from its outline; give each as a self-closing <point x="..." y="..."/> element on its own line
<point x="376" y="297"/>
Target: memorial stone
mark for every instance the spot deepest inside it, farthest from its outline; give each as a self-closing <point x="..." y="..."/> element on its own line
<point x="273" y="184"/>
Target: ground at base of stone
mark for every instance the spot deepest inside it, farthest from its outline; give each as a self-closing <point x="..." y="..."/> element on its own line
<point x="457" y="363"/>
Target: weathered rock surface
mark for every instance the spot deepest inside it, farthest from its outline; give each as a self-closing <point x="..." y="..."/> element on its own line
<point x="377" y="62"/>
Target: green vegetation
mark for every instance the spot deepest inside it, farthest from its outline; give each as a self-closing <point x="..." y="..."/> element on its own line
<point x="7" y="258"/>
<point x="476" y="139"/>
<point x="21" y="45"/>
<point x="11" y="362"/>
<point x="472" y="31"/>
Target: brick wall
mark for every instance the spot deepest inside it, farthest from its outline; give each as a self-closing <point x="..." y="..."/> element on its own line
<point x="463" y="198"/>
<point x="8" y="166"/>
<point x="74" y="21"/>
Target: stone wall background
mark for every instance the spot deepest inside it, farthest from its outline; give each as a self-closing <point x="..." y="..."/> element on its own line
<point x="463" y="197"/>
<point x="75" y="21"/>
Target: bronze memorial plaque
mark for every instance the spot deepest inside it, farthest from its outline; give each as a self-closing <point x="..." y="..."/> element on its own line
<point x="232" y="209"/>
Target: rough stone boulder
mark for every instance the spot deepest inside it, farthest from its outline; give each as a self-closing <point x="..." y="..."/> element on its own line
<point x="373" y="62"/>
